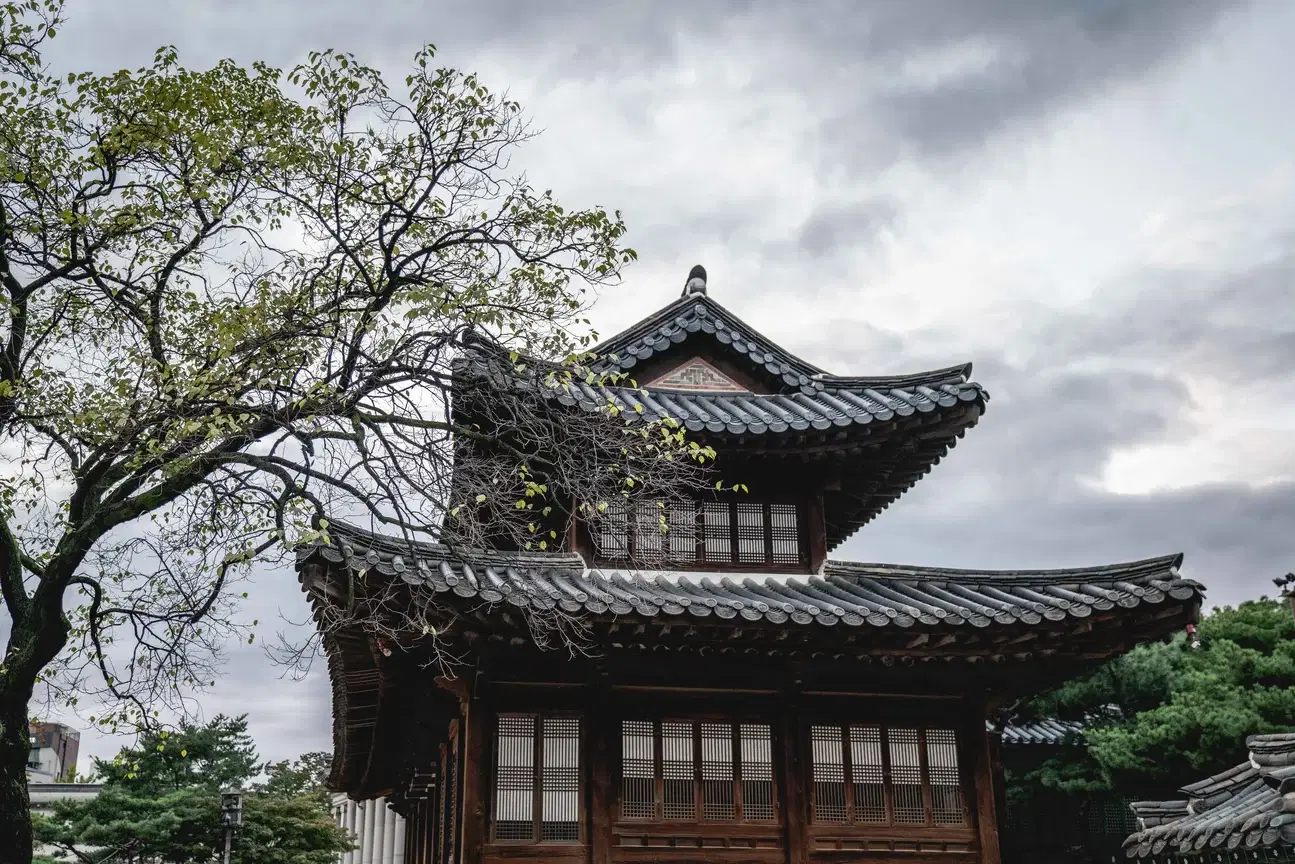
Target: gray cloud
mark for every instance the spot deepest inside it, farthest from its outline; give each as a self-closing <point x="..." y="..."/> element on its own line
<point x="858" y="224"/>
<point x="1237" y="325"/>
<point x="849" y="59"/>
<point x="1018" y="492"/>
<point x="880" y="87"/>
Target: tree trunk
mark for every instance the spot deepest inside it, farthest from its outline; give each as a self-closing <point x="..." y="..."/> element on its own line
<point x="39" y="631"/>
<point x="15" y="813"/>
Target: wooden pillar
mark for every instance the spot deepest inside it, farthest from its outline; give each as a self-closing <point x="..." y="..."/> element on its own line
<point x="817" y="532"/>
<point x="982" y="772"/>
<point x="996" y="773"/>
<point x="795" y="801"/>
<point x="603" y="735"/>
<point x="407" y="853"/>
<point x="474" y="781"/>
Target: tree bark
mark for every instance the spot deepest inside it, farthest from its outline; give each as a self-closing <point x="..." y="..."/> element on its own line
<point x="39" y="631"/>
<point x="15" y="812"/>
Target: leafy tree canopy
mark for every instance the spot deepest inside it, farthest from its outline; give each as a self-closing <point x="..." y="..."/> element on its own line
<point x="1168" y="714"/>
<point x="161" y="802"/>
<point x="232" y="301"/>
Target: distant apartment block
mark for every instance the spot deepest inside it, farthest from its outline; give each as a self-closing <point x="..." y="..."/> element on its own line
<point x="54" y="749"/>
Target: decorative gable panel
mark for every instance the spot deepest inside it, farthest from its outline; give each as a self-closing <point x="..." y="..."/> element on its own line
<point x="697" y="374"/>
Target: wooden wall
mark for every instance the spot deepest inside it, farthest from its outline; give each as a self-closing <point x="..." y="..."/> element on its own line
<point x="436" y="837"/>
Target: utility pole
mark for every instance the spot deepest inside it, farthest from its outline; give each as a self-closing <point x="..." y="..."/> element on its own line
<point x="231" y="817"/>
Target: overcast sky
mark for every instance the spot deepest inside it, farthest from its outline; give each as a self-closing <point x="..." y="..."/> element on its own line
<point x="1093" y="201"/>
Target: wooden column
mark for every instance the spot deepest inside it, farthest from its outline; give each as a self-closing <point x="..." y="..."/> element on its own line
<point x="795" y="800"/>
<point x="602" y="737"/>
<point x="412" y="828"/>
<point x="982" y="772"/>
<point x="475" y="783"/>
<point x="816" y="532"/>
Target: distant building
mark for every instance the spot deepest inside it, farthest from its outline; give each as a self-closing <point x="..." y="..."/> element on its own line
<point x="43" y="795"/>
<point x="54" y="748"/>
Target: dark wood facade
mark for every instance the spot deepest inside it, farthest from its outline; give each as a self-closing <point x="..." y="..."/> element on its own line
<point x="744" y="700"/>
<point x="759" y="802"/>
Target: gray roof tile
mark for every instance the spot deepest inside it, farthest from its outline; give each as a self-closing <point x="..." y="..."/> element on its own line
<point x="756" y="414"/>
<point x="1244" y="807"/>
<point x="849" y="593"/>
<point x="1046" y="731"/>
<point x="697" y="313"/>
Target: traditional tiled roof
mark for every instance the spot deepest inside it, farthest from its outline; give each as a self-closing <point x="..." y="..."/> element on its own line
<point x="1045" y="731"/>
<point x="863" y="402"/>
<point x="1250" y="806"/>
<point x="884" y="433"/>
<point x="845" y="593"/>
<point x="698" y="313"/>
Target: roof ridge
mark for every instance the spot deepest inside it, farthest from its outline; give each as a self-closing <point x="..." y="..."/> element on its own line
<point x="959" y="373"/>
<point x="662" y="318"/>
<point x="893" y="571"/>
<point x="341" y="532"/>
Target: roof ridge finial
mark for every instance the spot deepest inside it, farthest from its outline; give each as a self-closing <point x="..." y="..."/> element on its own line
<point x="696" y="282"/>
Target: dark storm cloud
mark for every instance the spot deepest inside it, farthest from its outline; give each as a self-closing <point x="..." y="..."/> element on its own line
<point x="1018" y="491"/>
<point x="1237" y="325"/>
<point x="843" y="56"/>
<point x="1015" y="492"/>
<point x="1047" y="54"/>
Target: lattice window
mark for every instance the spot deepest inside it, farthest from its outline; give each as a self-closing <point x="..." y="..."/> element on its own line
<point x="649" y="531"/>
<point x="681" y="534"/>
<point x="678" y="792"/>
<point x="638" y="770"/>
<point x="688" y="771"/>
<point x="829" y="774"/>
<point x="612" y="532"/>
<point x="868" y="774"/>
<point x="717" y="525"/>
<point x="907" y="807"/>
<point x="784" y="531"/>
<point x="537" y="779"/>
<point x="947" y="807"/>
<point x="743" y="534"/>
<point x="560" y="780"/>
<point x="750" y="533"/>
<point x="756" y="762"/>
<point x="718" y="797"/>
<point x="515" y="779"/>
<point x="871" y="775"/>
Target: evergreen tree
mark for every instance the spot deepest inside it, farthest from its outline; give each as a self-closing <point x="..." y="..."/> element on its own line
<point x="161" y="803"/>
<point x="1169" y="714"/>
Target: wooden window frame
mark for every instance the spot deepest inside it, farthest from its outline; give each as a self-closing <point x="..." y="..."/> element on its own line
<point x="658" y="774"/>
<point x="537" y="779"/>
<point x="885" y="727"/>
<point x="699" y="559"/>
